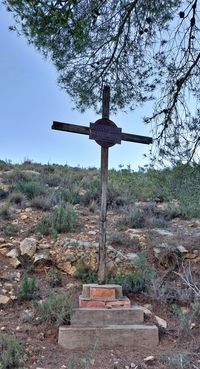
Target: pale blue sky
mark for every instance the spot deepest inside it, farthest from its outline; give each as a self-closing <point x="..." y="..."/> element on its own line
<point x="30" y="100"/>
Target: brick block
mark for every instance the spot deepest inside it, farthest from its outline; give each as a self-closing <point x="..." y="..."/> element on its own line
<point x="102" y="293"/>
<point x="122" y="303"/>
<point x="87" y="303"/>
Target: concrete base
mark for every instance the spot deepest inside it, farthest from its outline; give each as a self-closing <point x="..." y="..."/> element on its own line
<point x="101" y="317"/>
<point x="108" y="337"/>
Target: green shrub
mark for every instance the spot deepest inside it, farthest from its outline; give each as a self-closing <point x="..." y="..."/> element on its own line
<point x="176" y="360"/>
<point x="10" y="230"/>
<point x="85" y="274"/>
<point x="70" y="195"/>
<point x="42" y="202"/>
<point x="55" y="309"/>
<point x="62" y="219"/>
<point x="28" y="288"/>
<point x="5" y="212"/>
<point x="132" y="217"/>
<point x="139" y="280"/>
<point x="16" y="198"/>
<point x="31" y="189"/>
<point x="54" y="277"/>
<point x="11" y="351"/>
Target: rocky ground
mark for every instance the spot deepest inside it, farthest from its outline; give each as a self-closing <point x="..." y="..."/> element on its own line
<point x="173" y="251"/>
<point x="179" y="240"/>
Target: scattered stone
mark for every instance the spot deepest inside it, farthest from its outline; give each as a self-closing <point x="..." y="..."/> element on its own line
<point x="13" y="253"/>
<point x="3" y="328"/>
<point x="163" y="232"/>
<point x="147" y="312"/>
<point x="149" y="359"/>
<point x="2" y="240"/>
<point x="92" y="233"/>
<point x="4" y="250"/>
<point x="14" y="262"/>
<point x="17" y="328"/>
<point x="28" y="246"/>
<point x="4" y="300"/>
<point x="132" y="256"/>
<point x="42" y="258"/>
<point x="8" y="286"/>
<point x="161" y="322"/>
<point x="156" y="252"/>
<point x="190" y="256"/>
<point x="24" y="217"/>
<point x="182" y="249"/>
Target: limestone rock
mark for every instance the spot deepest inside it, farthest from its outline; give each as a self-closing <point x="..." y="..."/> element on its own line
<point x="13" y="253"/>
<point x="4" y="300"/>
<point x="67" y="267"/>
<point x="149" y="359"/>
<point x="42" y="258"/>
<point x="163" y="232"/>
<point x="182" y="249"/>
<point x="28" y="246"/>
<point x="14" y="262"/>
<point x="161" y="322"/>
<point x="2" y="240"/>
<point x="132" y="256"/>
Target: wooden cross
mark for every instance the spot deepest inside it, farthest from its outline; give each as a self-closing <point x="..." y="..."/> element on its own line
<point x="106" y="134"/>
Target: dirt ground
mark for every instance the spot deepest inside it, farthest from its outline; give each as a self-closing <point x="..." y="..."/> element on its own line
<point x="41" y="350"/>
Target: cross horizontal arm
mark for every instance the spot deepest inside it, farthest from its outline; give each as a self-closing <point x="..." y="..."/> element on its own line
<point x="86" y="131"/>
<point x="70" y="128"/>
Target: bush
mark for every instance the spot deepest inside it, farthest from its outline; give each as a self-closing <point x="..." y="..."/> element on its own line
<point x="10" y="352"/>
<point x="56" y="309"/>
<point x="31" y="189"/>
<point x="28" y="288"/>
<point x="62" y="219"/>
<point x="140" y="280"/>
<point x="5" y="211"/>
<point x="177" y="360"/>
<point x="85" y="274"/>
<point x="10" y="230"/>
<point x="42" y="202"/>
<point x="54" y="277"/>
<point x="132" y="218"/>
<point x="16" y="198"/>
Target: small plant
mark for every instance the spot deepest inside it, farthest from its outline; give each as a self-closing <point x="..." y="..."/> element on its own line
<point x="31" y="188"/>
<point x="54" y="277"/>
<point x="5" y="211"/>
<point x="62" y="219"/>
<point x="29" y="288"/>
<point x="16" y="198"/>
<point x="10" y="352"/>
<point x="139" y="280"/>
<point x="56" y="309"/>
<point x="10" y="230"/>
<point x="185" y="320"/>
<point x="42" y="202"/>
<point x="132" y="218"/>
<point x="85" y="274"/>
<point x="176" y="360"/>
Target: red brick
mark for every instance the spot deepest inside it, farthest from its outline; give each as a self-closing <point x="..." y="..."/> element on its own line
<point x="83" y="303"/>
<point x="102" y="293"/>
<point x="123" y="303"/>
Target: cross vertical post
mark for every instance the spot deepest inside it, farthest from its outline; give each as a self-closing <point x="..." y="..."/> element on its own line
<point x="104" y="183"/>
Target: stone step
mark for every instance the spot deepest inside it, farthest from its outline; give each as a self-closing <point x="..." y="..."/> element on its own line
<point x="96" y="317"/>
<point x="109" y="337"/>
